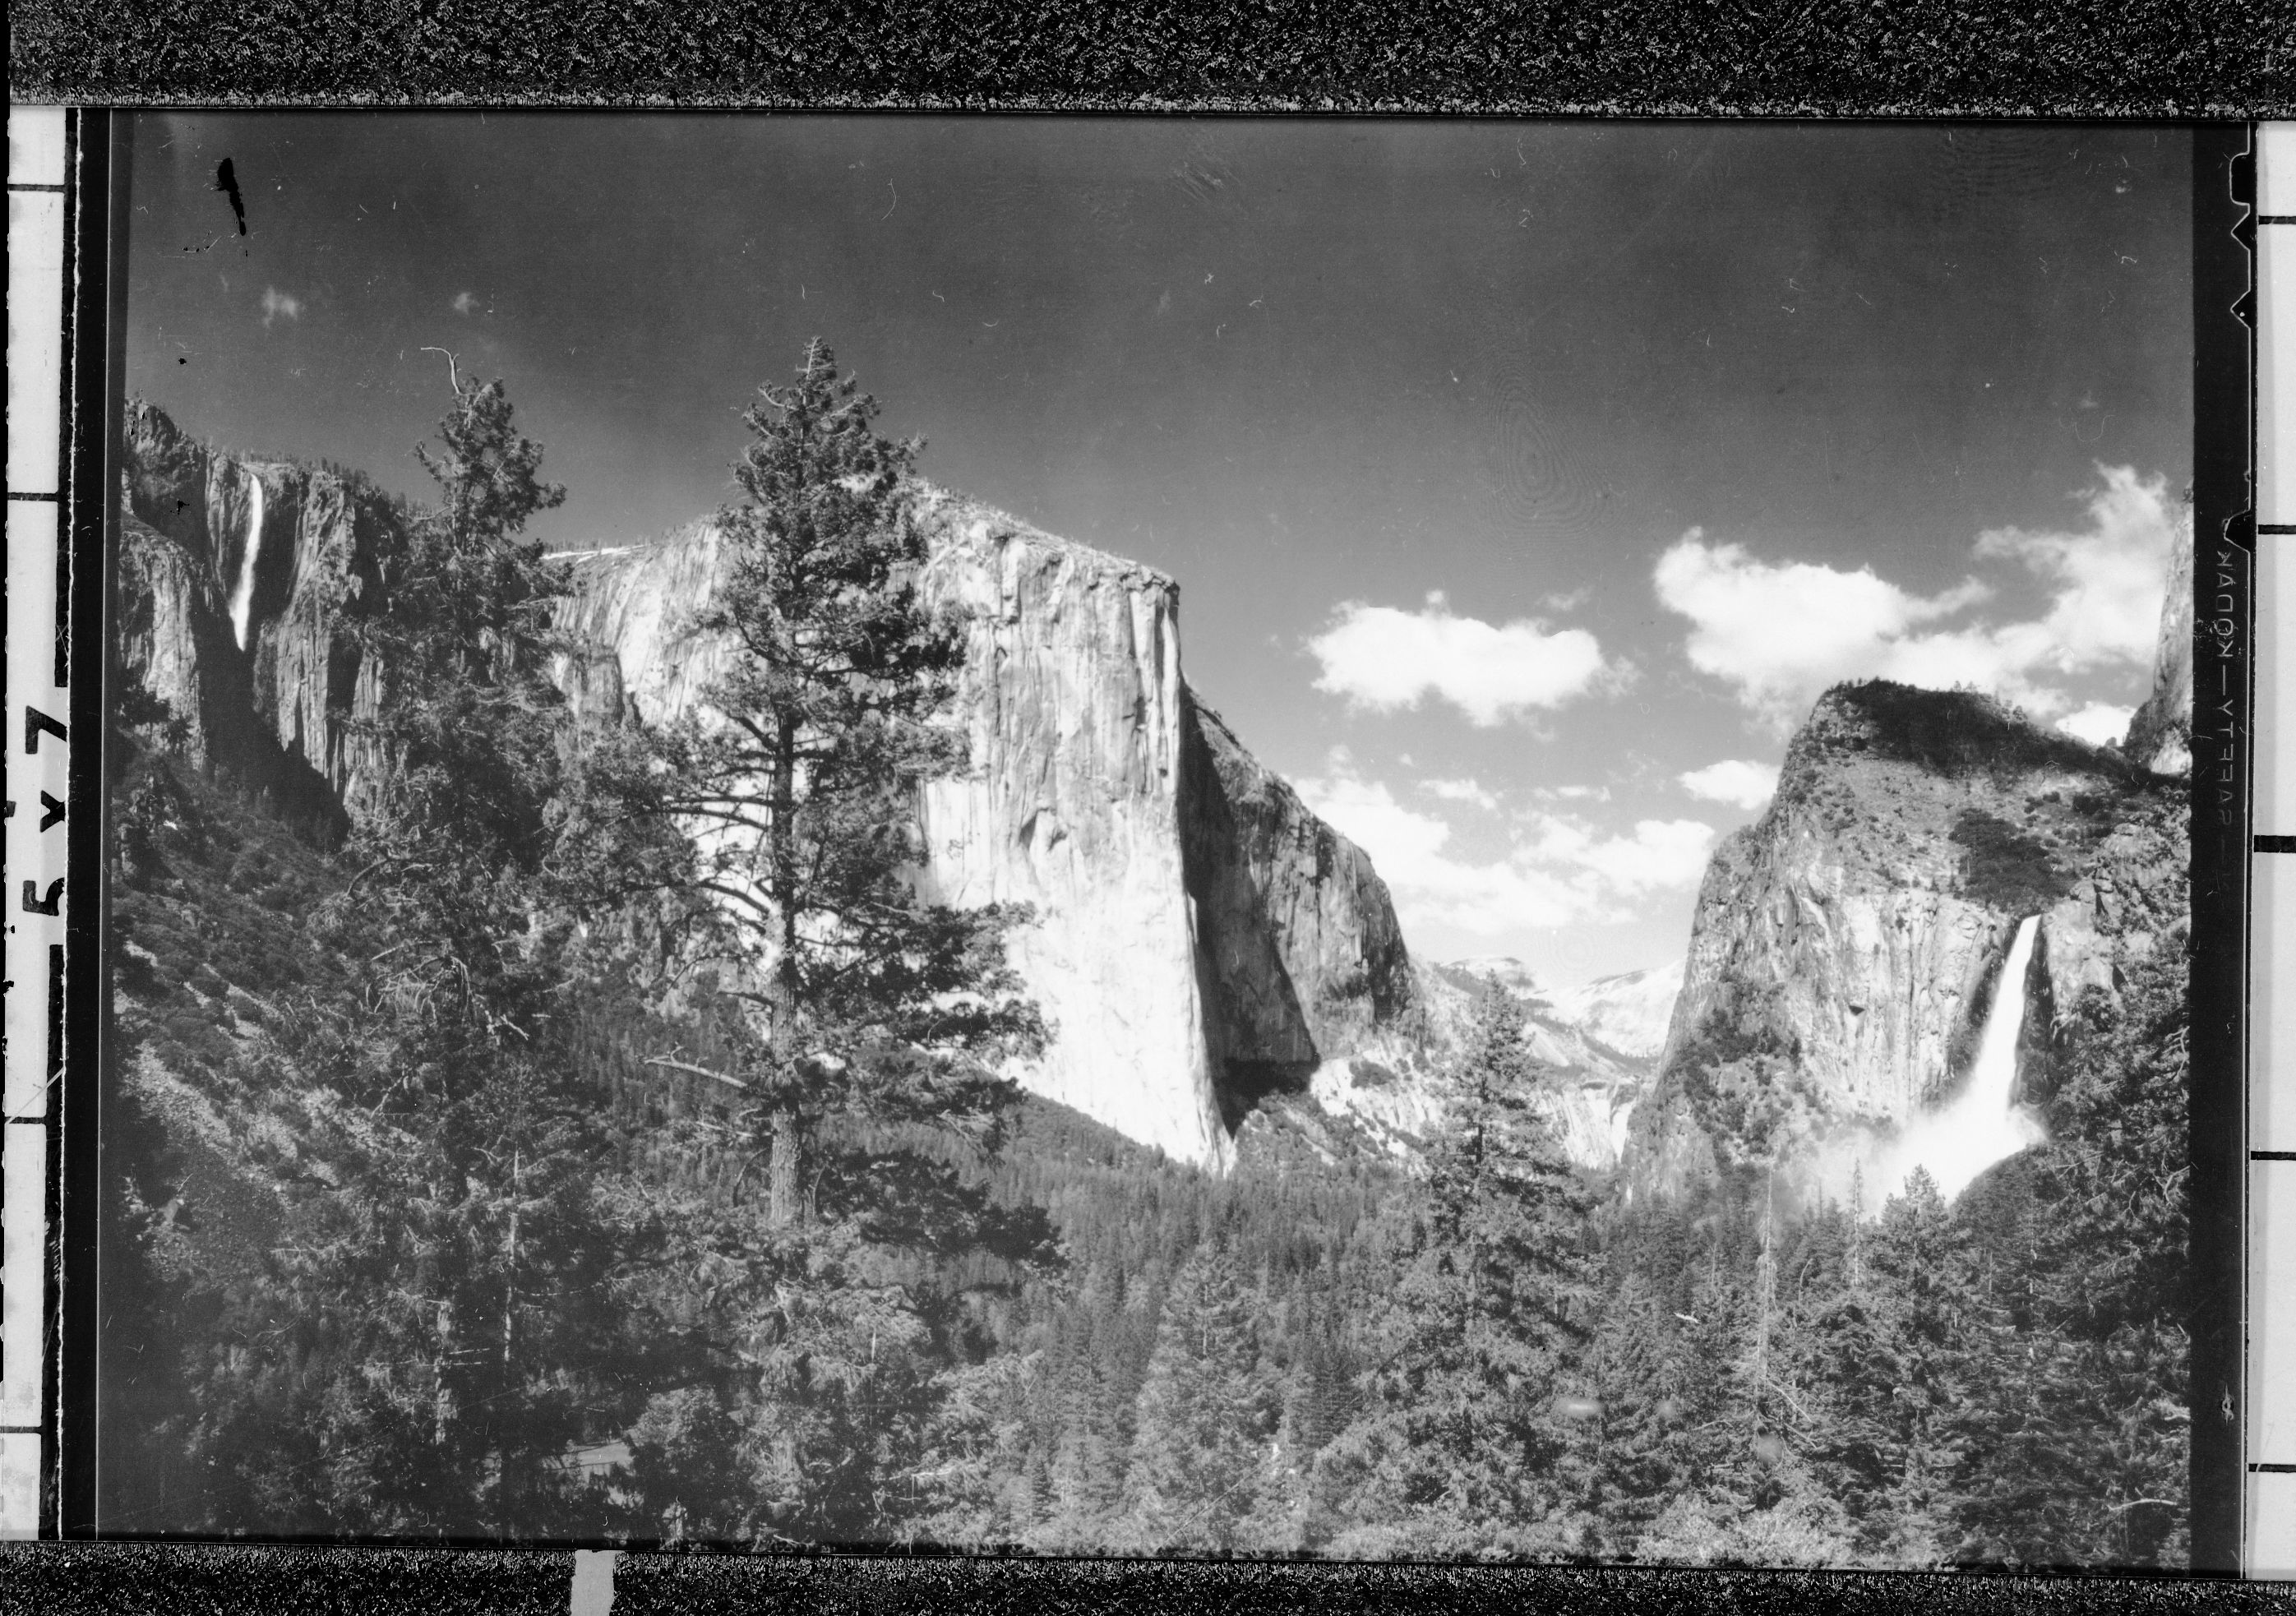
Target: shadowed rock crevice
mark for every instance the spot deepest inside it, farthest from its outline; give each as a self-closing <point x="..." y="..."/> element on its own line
<point x="1298" y="949"/>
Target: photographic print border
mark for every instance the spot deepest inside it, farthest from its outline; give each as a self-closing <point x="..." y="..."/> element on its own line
<point x="1190" y="84"/>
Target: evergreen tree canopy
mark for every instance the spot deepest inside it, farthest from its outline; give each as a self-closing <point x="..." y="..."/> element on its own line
<point x="1205" y="1418"/>
<point x="2078" y="1431"/>
<point x="1468" y="1413"/>
<point x="431" y="1333"/>
<point x="795" y="784"/>
<point x="779" y="818"/>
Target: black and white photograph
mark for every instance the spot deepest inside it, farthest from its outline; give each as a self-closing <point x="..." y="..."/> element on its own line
<point x="1365" y="840"/>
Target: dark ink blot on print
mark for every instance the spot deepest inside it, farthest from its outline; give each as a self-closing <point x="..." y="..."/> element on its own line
<point x="228" y="182"/>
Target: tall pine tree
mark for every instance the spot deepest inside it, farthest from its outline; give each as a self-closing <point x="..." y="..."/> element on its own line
<point x="1205" y="1419"/>
<point x="425" y="1344"/>
<point x="1468" y="1415"/>
<point x="784" y="816"/>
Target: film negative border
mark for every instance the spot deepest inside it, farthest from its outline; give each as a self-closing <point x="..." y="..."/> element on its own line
<point x="42" y="209"/>
<point x="2271" y="1167"/>
<point x="60" y="381"/>
<point x="2221" y="768"/>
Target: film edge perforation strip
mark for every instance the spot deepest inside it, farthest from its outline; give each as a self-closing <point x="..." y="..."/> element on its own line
<point x="38" y="735"/>
<point x="2271" y="1303"/>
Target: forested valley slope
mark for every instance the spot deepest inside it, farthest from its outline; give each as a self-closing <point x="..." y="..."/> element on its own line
<point x="474" y="1169"/>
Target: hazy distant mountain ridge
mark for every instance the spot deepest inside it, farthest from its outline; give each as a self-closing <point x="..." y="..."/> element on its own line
<point x="1392" y="1093"/>
<point x="1628" y="1011"/>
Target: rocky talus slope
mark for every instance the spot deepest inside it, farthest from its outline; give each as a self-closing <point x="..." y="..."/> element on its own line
<point x="1846" y="947"/>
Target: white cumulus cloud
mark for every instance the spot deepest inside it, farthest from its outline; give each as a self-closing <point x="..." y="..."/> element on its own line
<point x="1735" y="781"/>
<point x="2108" y="580"/>
<point x="1780" y="633"/>
<point x="1661" y="853"/>
<point x="1461" y="790"/>
<point x="2100" y="724"/>
<point x="278" y="305"/>
<point x="1555" y="870"/>
<point x="1383" y="658"/>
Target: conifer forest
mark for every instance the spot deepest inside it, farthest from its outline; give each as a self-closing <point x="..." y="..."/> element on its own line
<point x="588" y="1130"/>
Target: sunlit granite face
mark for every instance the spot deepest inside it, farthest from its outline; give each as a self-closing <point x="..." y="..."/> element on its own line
<point x="1190" y="915"/>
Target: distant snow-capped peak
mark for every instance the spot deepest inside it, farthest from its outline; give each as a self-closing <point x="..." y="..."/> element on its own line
<point x="1628" y="1011"/>
<point x="1510" y="974"/>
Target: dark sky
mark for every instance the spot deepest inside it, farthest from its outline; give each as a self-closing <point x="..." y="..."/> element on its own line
<point x="1296" y="364"/>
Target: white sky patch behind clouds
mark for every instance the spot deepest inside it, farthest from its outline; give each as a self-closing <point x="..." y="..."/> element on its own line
<point x="1736" y="781"/>
<point x="1382" y="658"/>
<point x="1557" y="870"/>
<point x="278" y="305"/>
<point x="1780" y="634"/>
<point x="2099" y="723"/>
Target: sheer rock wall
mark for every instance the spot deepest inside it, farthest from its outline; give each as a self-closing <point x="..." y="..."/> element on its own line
<point x="1198" y="935"/>
<point x="1846" y="947"/>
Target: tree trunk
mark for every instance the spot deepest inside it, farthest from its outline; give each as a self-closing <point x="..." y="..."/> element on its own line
<point x="785" y="1177"/>
<point x="443" y="1399"/>
<point x="504" y="1462"/>
<point x="1766" y="1284"/>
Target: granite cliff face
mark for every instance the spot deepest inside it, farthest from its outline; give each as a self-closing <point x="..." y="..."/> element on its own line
<point x="1200" y="938"/>
<point x="2160" y="733"/>
<point x="1847" y="945"/>
<point x="1203" y="944"/>
<point x="1073" y="698"/>
<point x="1302" y="959"/>
<point x="240" y="583"/>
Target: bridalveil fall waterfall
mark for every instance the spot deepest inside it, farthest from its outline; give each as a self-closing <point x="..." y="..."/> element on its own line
<point x="1984" y="1123"/>
<point x="1934" y="868"/>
